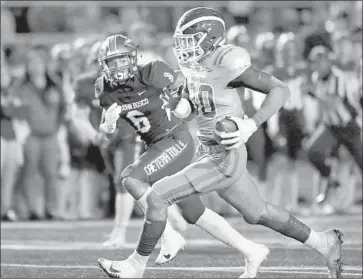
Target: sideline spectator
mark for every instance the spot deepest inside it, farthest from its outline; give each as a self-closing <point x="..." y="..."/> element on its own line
<point x="11" y="147"/>
<point x="41" y="150"/>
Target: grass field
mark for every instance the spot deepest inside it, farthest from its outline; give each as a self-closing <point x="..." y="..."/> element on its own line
<point x="71" y="249"/>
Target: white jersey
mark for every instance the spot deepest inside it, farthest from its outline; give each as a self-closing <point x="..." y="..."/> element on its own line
<point x="207" y="86"/>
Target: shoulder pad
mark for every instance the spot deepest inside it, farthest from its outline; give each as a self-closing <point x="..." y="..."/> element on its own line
<point x="234" y="58"/>
<point x="99" y="86"/>
<point x="158" y="74"/>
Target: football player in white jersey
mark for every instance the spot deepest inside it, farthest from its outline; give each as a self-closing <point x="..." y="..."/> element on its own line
<point x="213" y="70"/>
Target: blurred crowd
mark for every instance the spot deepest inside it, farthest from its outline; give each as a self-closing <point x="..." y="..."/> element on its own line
<point x="51" y="171"/>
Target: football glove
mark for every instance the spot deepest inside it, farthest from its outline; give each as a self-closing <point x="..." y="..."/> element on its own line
<point x="170" y="99"/>
<point x="111" y="116"/>
<point x="246" y="127"/>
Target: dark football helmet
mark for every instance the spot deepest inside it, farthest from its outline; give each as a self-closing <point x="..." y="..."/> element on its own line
<point x="118" y="58"/>
<point x="198" y="32"/>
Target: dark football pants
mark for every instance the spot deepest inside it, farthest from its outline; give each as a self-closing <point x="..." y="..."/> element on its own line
<point x="164" y="158"/>
<point x="325" y="139"/>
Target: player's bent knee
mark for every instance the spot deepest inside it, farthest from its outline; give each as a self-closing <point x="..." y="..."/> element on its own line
<point x="120" y="188"/>
<point x="254" y="217"/>
<point x="134" y="185"/>
<point x="127" y="172"/>
<point x="155" y="201"/>
<point x="192" y="209"/>
<point x="156" y="207"/>
<point x="252" y="220"/>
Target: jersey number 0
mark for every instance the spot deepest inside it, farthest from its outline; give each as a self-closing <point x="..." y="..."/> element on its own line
<point x="204" y="100"/>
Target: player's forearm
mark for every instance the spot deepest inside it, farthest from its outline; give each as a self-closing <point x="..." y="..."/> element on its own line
<point x="273" y="102"/>
<point x="103" y="127"/>
<point x="104" y="131"/>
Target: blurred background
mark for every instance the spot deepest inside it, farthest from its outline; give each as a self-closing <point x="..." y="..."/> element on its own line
<point x="49" y="171"/>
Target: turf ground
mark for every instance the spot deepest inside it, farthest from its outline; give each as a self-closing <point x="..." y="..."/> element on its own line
<point x="71" y="249"/>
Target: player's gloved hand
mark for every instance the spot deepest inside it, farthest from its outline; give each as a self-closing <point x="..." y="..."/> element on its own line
<point x="170" y="98"/>
<point x="111" y="116"/>
<point x="246" y="127"/>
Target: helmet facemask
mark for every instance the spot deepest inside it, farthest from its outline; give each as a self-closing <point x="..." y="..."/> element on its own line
<point x="120" y="67"/>
<point x="188" y="47"/>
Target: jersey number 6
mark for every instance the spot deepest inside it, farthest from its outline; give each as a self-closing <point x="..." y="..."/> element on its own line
<point x="139" y="120"/>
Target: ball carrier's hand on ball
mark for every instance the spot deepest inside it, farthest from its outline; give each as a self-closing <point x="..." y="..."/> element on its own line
<point x="111" y="115"/>
<point x="232" y="131"/>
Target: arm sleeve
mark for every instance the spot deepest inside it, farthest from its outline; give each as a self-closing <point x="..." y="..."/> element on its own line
<point x="158" y="74"/>
<point x="277" y="92"/>
<point x="255" y="80"/>
<point x="235" y="59"/>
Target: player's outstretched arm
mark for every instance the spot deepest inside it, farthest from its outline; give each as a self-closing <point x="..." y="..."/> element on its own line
<point x="277" y="92"/>
<point x="181" y="105"/>
<point x="159" y="75"/>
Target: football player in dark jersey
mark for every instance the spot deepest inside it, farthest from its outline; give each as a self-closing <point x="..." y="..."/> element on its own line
<point x="141" y="95"/>
<point x="117" y="153"/>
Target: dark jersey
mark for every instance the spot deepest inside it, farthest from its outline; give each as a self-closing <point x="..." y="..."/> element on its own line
<point x="140" y="100"/>
<point x="84" y="95"/>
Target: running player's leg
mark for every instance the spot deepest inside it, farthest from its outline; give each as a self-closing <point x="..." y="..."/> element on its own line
<point x="155" y="221"/>
<point x="161" y="159"/>
<point x="216" y="225"/>
<point x="200" y="177"/>
<point x="166" y="191"/>
<point x="244" y="196"/>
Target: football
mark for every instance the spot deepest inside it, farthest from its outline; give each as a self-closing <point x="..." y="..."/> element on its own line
<point x="225" y="125"/>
